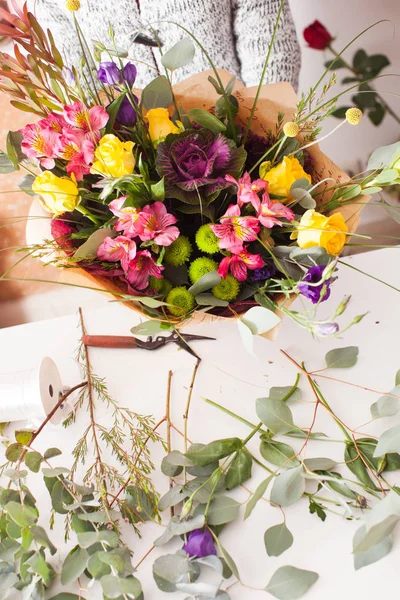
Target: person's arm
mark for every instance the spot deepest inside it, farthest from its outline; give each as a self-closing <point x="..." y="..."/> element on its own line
<point x="253" y="24"/>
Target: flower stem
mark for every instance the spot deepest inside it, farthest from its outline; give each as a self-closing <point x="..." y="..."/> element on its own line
<point x="86" y="212"/>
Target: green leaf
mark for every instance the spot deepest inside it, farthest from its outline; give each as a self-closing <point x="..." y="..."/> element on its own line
<point x="171" y="498"/>
<point x="67" y="596"/>
<point x="387" y="176"/>
<point x="23" y="436"/>
<point x="180" y="55"/>
<point x="397" y="378"/>
<point x="278" y="453"/>
<point x="376" y="534"/>
<point x="208" y="281"/>
<point x="342" y="358"/>
<point x="40" y="536"/>
<point x="96" y="567"/>
<point x="258" y="494"/>
<point x="335" y="64"/>
<point x="22" y="514"/>
<point x="357" y="466"/>
<point x="56" y="472"/>
<point x="289" y="583"/>
<point x="351" y="191"/>
<point x="13" y="452"/>
<point x="13" y="147"/>
<point x="210" y="300"/>
<point x="388" y="442"/>
<point x="318" y="509"/>
<point x="360" y="60"/>
<point x="88" y="538"/>
<point x="180" y="528"/>
<point x="41" y="567"/>
<point x="118" y="559"/>
<point x="275" y="414"/>
<point x="205" y="119"/>
<point x="383" y="156"/>
<point x="172" y="464"/>
<point x="386" y="406"/>
<point x="363" y="559"/>
<point x="393" y="211"/>
<point x="277" y="539"/>
<point x="158" y="190"/>
<point x="260" y="320"/>
<point x="223" y="509"/>
<point x="152" y="327"/>
<point x="74" y="565"/>
<point x="112" y="110"/>
<point x="51" y="453"/>
<point x="6" y="165"/>
<point x="169" y="570"/>
<point x="340" y="113"/>
<point x="288" y="487"/>
<point x="230" y="563"/>
<point x="319" y="464"/>
<point x="239" y="470"/>
<point x="33" y="460"/>
<point x="119" y="587"/>
<point x="214" y="451"/>
<point x="157" y="94"/>
<point x="285" y="393"/>
<point x="376" y="63"/>
<point x="89" y="248"/>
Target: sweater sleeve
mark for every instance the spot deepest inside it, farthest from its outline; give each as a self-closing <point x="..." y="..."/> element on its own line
<point x="253" y="24"/>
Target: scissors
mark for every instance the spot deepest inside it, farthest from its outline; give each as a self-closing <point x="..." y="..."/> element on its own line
<point x="121" y="341"/>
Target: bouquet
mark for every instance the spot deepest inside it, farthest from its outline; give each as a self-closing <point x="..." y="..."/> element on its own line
<point x="203" y="197"/>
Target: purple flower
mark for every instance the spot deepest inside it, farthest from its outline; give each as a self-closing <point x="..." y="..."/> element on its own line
<point x="327" y="328"/>
<point x="130" y="73"/>
<point x="316" y="293"/>
<point x="68" y="76"/>
<point x="199" y="543"/>
<point x="109" y="74"/>
<point x="127" y="114"/>
<point x="194" y="164"/>
<point x="263" y="274"/>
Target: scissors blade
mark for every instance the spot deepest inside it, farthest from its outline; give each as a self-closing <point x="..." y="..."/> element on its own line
<point x="192" y="336"/>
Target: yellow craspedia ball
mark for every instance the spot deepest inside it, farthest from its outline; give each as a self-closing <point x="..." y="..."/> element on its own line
<point x="73" y="5"/>
<point x="291" y="129"/>
<point x="353" y="115"/>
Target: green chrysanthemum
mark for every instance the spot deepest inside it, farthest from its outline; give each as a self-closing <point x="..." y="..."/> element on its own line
<point x="228" y="289"/>
<point x="178" y="252"/>
<point x="162" y="286"/>
<point x="206" y="240"/>
<point x="181" y="301"/>
<point x="201" y="266"/>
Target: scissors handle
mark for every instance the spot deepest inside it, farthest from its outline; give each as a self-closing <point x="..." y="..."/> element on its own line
<point x="110" y="341"/>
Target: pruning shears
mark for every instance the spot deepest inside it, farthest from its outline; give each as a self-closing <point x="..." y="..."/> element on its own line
<point x="152" y="343"/>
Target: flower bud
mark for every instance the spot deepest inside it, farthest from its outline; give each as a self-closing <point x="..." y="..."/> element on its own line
<point x="353" y="116"/>
<point x="342" y="306"/>
<point x="187" y="507"/>
<point x="325" y="329"/>
<point x="73" y="5"/>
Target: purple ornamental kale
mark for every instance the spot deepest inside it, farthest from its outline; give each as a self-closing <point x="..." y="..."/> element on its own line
<point x="199" y="544"/>
<point x="195" y="162"/>
<point x="316" y="293"/>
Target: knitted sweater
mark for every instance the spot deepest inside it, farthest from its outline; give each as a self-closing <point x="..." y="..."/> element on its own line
<point x="236" y="34"/>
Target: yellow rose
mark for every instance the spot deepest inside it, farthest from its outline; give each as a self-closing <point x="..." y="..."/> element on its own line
<point x="282" y="177"/>
<point x="160" y="125"/>
<point x="57" y="194"/>
<point x="315" y="229"/>
<point x="114" y="158"/>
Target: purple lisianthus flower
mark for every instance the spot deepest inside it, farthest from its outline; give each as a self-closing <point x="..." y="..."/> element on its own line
<point x="324" y="329"/>
<point x="316" y="293"/>
<point x="127" y="114"/>
<point x="263" y="274"/>
<point x="199" y="543"/>
<point x="195" y="162"/>
<point x="109" y="73"/>
<point x="130" y="73"/>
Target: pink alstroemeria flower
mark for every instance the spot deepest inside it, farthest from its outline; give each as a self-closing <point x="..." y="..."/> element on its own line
<point x="90" y="121"/>
<point x="39" y="142"/>
<point x="141" y="268"/>
<point x="155" y="223"/>
<point x="78" y="151"/>
<point x="248" y="190"/>
<point x="233" y="229"/>
<point x="270" y="212"/>
<point x="239" y="263"/>
<point x="128" y="217"/>
<point x="116" y="249"/>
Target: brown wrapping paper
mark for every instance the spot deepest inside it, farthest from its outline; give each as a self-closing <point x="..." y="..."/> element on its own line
<point x="197" y="92"/>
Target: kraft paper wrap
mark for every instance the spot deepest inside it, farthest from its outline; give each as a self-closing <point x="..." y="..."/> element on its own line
<point x="197" y="92"/>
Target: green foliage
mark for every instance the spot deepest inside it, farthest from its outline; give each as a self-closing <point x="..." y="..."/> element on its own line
<point x="342" y="358"/>
<point x="179" y="251"/>
<point x="157" y="94"/>
<point x="277" y="539"/>
<point x="289" y="583"/>
<point x="180" y="55"/>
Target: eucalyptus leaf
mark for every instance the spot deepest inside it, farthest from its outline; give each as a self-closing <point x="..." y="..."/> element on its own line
<point x="214" y="451"/>
<point x="319" y="464"/>
<point x="74" y="565"/>
<point x="247" y="337"/>
<point x="208" y="281"/>
<point x="205" y="119"/>
<point x="383" y="156"/>
<point x="388" y="442"/>
<point x="223" y="509"/>
<point x="288" y="487"/>
<point x="277" y="539"/>
<point x="152" y="327"/>
<point x="119" y="559"/>
<point x="214" y="562"/>
<point x="67" y="596"/>
<point x="356" y="465"/>
<point x="6" y="165"/>
<point x="289" y="583"/>
<point x="342" y="358"/>
<point x="23" y="436"/>
<point x="386" y="406"/>
<point x="168" y="570"/>
<point x="33" y="460"/>
<point x="157" y="94"/>
<point x="386" y="176"/>
<point x="210" y="300"/>
<point x="278" y="453"/>
<point x="22" y="514"/>
<point x="96" y="567"/>
<point x="180" y="528"/>
<point x="285" y="393"/>
<point x="380" y="550"/>
<point x="258" y="494"/>
<point x="275" y="414"/>
<point x="13" y="452"/>
<point x="89" y="248"/>
<point x="88" y="538"/>
<point x="51" y="453"/>
<point x="376" y="534"/>
<point x="239" y="470"/>
<point x="40" y="536"/>
<point x="171" y="498"/>
<point x="119" y="587"/>
<point x="230" y="563"/>
<point x="180" y="55"/>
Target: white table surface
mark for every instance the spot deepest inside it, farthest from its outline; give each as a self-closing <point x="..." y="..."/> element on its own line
<point x="235" y="379"/>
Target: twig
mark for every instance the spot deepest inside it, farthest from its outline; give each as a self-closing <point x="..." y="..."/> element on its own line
<point x="144" y="557"/>
<point x="189" y="398"/>
<point x="168" y="418"/>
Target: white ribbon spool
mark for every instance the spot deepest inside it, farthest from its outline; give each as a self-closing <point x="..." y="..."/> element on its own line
<point x="31" y="395"/>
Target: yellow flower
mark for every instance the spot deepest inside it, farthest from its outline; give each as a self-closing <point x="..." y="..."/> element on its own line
<point x="160" y="125"/>
<point x="73" y="5"/>
<point x="353" y="116"/>
<point x="315" y="229"/>
<point x="114" y="158"/>
<point x="57" y="194"/>
<point x="282" y="177"/>
<point x="291" y="129"/>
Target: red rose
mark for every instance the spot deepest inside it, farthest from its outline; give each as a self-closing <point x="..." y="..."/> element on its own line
<point x="61" y="231"/>
<point x="317" y="36"/>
